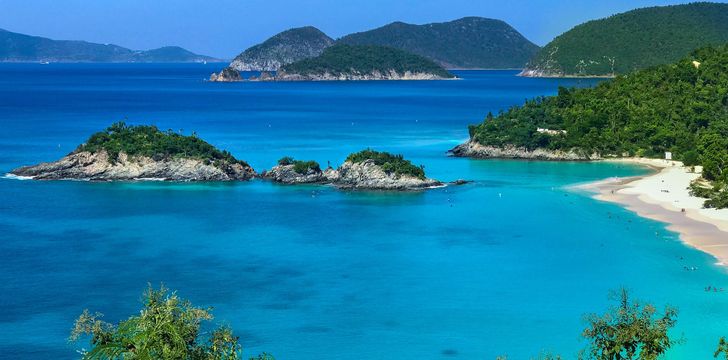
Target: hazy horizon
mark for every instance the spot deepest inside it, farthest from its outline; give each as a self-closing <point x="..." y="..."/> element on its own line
<point x="226" y="27"/>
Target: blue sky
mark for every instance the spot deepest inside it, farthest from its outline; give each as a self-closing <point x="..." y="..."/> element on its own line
<point x="223" y="28"/>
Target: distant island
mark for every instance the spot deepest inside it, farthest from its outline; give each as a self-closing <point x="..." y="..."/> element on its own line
<point x="679" y="108"/>
<point x="633" y="40"/>
<point x="467" y="43"/>
<point x="16" y="47"/>
<point x="123" y="152"/>
<point x="352" y="62"/>
<point x="364" y="170"/>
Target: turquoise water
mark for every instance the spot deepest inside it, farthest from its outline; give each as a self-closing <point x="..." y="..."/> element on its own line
<point x="506" y="265"/>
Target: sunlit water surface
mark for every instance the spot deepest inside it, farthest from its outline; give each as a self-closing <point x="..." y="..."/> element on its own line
<point x="506" y="265"/>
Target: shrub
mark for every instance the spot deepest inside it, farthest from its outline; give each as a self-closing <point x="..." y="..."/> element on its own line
<point x="167" y="327"/>
<point x="630" y="331"/>
<point x="719" y="200"/>
<point x="303" y="167"/>
<point x="286" y="160"/>
<point x="717" y="195"/>
<point x="691" y="158"/>
<point x="299" y="166"/>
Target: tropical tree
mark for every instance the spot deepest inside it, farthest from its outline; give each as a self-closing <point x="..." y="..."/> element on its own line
<point x="629" y="331"/>
<point x="167" y="327"/>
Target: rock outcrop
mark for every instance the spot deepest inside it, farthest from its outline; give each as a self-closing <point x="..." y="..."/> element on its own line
<point x="369" y="176"/>
<point x="540" y="73"/>
<point x="226" y="75"/>
<point x="475" y="150"/>
<point x="365" y="175"/>
<point x="353" y="76"/>
<point x="287" y="174"/>
<point x="84" y="165"/>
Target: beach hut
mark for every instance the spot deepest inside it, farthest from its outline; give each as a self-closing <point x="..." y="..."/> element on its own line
<point x="668" y="155"/>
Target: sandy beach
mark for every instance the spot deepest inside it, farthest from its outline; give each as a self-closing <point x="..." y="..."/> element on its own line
<point x="664" y="196"/>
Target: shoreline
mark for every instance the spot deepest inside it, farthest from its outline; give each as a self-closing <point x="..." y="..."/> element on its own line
<point x="662" y="195"/>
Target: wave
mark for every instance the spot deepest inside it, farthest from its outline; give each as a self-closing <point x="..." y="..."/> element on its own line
<point x="17" y="177"/>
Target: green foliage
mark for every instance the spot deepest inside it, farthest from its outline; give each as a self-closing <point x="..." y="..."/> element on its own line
<point x="718" y="201"/>
<point x="286" y="160"/>
<point x="716" y="195"/>
<point x="681" y="108"/>
<point x="167" y="327"/>
<point x="634" y="40"/>
<point x="696" y="189"/>
<point x="629" y="331"/>
<point x="470" y="42"/>
<point x="722" y="348"/>
<point x="303" y="167"/>
<point x="299" y="166"/>
<point x="364" y="59"/>
<point x="395" y="164"/>
<point x="151" y="142"/>
<point x="691" y="158"/>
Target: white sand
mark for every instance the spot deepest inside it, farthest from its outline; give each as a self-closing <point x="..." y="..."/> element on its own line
<point x="664" y="196"/>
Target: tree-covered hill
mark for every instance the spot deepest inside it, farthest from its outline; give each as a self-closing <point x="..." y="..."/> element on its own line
<point x="149" y="141"/>
<point x="283" y="48"/>
<point x="470" y="42"/>
<point x="633" y="40"/>
<point x="345" y="60"/>
<point x="680" y="107"/>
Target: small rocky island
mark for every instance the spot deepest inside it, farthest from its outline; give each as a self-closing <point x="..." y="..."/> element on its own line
<point x="352" y="62"/>
<point x="123" y="152"/>
<point x="284" y="48"/>
<point x="292" y="171"/>
<point x="364" y="170"/>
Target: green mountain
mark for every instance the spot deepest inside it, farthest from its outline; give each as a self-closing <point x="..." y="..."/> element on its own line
<point x="681" y="108"/>
<point x="16" y="47"/>
<point x="284" y="48"/>
<point x="633" y="40"/>
<point x="467" y="43"/>
<point x="363" y="62"/>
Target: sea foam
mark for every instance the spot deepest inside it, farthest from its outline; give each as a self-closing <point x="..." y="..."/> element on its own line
<point x="17" y="177"/>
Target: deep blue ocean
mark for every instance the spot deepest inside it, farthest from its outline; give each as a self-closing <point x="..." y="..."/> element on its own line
<point x="506" y="265"/>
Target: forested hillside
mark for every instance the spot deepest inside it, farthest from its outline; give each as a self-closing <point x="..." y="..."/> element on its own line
<point x="633" y="40"/>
